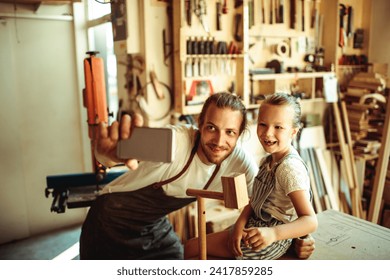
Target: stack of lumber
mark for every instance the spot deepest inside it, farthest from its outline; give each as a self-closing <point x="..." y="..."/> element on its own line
<point x="371" y="82"/>
<point x="358" y="120"/>
<point x="365" y="106"/>
<point x="365" y="148"/>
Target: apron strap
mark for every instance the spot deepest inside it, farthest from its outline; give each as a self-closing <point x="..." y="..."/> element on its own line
<point x="193" y="152"/>
<point x="212" y="177"/>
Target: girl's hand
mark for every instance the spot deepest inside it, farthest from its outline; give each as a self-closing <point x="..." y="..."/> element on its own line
<point x="259" y="238"/>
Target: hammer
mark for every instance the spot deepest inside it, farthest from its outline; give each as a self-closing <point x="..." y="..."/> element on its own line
<point x="235" y="195"/>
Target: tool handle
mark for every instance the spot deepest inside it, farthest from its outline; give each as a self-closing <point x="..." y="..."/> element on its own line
<point x="156" y="85"/>
<point x="341" y="38"/>
<point x="219" y="13"/>
<point x="205" y="194"/>
<point x="189" y="12"/>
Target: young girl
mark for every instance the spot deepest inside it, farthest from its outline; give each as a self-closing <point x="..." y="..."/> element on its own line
<point x="280" y="208"/>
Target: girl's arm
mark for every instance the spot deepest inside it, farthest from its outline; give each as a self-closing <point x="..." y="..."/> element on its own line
<point x="306" y="223"/>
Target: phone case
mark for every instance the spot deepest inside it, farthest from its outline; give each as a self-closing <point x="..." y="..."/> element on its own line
<point x="148" y="144"/>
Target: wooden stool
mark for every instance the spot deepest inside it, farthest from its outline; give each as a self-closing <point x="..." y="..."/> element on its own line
<point x="235" y="195"/>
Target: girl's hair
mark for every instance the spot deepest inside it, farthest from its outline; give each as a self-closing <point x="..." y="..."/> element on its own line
<point x="225" y="100"/>
<point x="283" y="99"/>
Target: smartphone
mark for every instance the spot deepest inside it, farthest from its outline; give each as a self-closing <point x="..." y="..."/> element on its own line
<point x="148" y="144"/>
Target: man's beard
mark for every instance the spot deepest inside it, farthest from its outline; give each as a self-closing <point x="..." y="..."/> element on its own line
<point x="211" y="157"/>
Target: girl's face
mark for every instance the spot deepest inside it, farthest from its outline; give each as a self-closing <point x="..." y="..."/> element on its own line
<point x="275" y="130"/>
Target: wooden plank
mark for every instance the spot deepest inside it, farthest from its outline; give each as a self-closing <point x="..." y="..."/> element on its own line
<point x="346" y="156"/>
<point x="381" y="170"/>
<point x="356" y="196"/>
<point x="316" y="198"/>
<point x="202" y="241"/>
<point x="326" y="177"/>
<point x="317" y="175"/>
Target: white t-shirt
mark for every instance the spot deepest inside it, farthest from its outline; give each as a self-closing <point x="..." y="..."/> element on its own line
<point x="196" y="175"/>
<point x="291" y="175"/>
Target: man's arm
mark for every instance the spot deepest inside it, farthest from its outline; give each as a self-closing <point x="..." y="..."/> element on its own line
<point x="304" y="246"/>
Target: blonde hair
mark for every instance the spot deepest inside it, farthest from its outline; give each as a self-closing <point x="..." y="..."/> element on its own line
<point x="284" y="99"/>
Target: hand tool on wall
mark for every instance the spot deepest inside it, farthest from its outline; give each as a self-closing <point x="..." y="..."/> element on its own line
<point x="276" y="8"/>
<point x="251" y="13"/>
<point x="237" y="36"/>
<point x="219" y="14"/>
<point x="350" y="22"/>
<point x="342" y="13"/>
<point x="167" y="47"/>
<point x="271" y="9"/>
<point x="281" y="11"/>
<point x="317" y="28"/>
<point x="168" y="40"/>
<point x="238" y="3"/>
<point x="201" y="11"/>
<point x="262" y="11"/>
<point x="156" y="85"/>
<point x="293" y="14"/>
<point x="189" y="12"/>
<point x="303" y="15"/>
<point x="313" y="13"/>
<point x="224" y="7"/>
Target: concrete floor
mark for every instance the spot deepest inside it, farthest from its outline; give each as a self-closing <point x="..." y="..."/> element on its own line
<point x="61" y="244"/>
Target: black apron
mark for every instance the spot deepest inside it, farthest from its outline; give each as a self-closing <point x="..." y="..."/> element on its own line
<point x="133" y="225"/>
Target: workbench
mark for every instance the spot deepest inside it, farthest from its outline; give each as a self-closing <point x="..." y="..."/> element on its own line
<point x="341" y="236"/>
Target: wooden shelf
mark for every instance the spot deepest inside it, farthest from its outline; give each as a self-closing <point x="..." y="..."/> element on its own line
<point x="258" y="47"/>
<point x="298" y="75"/>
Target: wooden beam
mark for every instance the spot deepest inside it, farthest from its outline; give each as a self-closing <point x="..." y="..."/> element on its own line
<point x="346" y="157"/>
<point x="326" y="177"/>
<point x="356" y="197"/>
<point x="202" y="241"/>
<point x="316" y="198"/>
<point x="381" y="170"/>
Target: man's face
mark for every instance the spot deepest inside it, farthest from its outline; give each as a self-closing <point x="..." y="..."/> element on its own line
<point x="219" y="134"/>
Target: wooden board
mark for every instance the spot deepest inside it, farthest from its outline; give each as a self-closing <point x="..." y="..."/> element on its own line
<point x="380" y="175"/>
<point x="327" y="179"/>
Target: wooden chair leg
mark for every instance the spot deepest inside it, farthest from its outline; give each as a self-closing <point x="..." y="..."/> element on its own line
<point x="202" y="228"/>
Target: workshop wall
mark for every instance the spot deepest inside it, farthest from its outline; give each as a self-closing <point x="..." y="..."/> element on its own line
<point x="380" y="33"/>
<point x="43" y="127"/>
<point x="41" y="124"/>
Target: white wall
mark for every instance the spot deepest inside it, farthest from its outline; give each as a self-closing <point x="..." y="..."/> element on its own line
<point x="41" y="122"/>
<point x="380" y="33"/>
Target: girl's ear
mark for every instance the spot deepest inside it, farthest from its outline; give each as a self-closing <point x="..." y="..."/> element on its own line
<point x="295" y="131"/>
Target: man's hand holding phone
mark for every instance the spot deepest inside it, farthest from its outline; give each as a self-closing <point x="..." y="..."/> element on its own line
<point x="108" y="138"/>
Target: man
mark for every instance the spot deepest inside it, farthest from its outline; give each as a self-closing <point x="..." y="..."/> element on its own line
<point x="128" y="220"/>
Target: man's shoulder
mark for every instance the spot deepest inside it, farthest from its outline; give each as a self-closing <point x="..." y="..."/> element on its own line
<point x="241" y="158"/>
